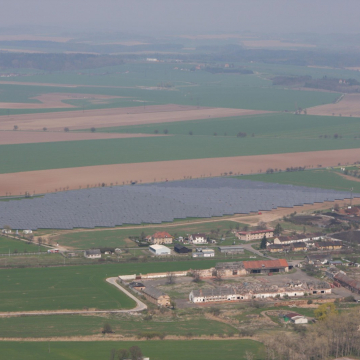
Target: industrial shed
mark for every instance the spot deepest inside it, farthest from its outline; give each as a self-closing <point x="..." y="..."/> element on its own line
<point x="347" y="282"/>
<point x="181" y="249"/>
<point x="235" y="249"/>
<point x="159" y="250"/>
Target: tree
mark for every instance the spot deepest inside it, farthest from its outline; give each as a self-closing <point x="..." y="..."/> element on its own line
<point x="170" y="278"/>
<point x="123" y="354"/>
<point x="92" y="129"/>
<point x="263" y="243"/>
<point x="66" y="129"/>
<point x="135" y="353"/>
<point x="324" y="311"/>
<point x="336" y="207"/>
<point x="107" y="329"/>
<point x="166" y="131"/>
<point x="245" y="228"/>
<point x="278" y="230"/>
<point x="15" y="127"/>
<point x="196" y="275"/>
<point x="44" y="128"/>
<point x="261" y="225"/>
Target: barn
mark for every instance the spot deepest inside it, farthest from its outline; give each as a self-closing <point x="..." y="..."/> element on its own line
<point x="266" y="266"/>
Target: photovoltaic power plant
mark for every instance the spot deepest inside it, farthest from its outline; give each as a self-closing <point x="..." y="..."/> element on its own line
<point x="156" y="203"/>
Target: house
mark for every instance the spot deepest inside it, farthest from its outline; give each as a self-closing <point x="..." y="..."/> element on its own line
<point x="204" y="253"/>
<point x="318" y="259"/>
<point x="159" y="250"/>
<point x="198" y="239"/>
<point x="161" y="237"/>
<point x="6" y="231"/>
<point x="328" y="245"/>
<point x="92" y="254"/>
<point x="25" y="232"/>
<point x="347" y="282"/>
<point x="235" y="249"/>
<point x="295" y="318"/>
<point x="299" y="246"/>
<point x="156" y="296"/>
<point x="181" y="249"/>
<point x="254" y="235"/>
<point x="266" y="266"/>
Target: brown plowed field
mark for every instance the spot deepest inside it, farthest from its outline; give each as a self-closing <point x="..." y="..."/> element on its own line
<point x="117" y="117"/>
<point x="55" y="100"/>
<point x="50" y="180"/>
<point x="27" y="137"/>
<point x="348" y="106"/>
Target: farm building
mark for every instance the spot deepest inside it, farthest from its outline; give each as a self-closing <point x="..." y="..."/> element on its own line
<point x="204" y="253"/>
<point x="156" y="296"/>
<point x="287" y="240"/>
<point x="92" y="254"/>
<point x="328" y="245"/>
<point x="295" y="318"/>
<point x="254" y="235"/>
<point x="181" y="249"/>
<point x="235" y="249"/>
<point x="274" y="248"/>
<point x="137" y="285"/>
<point x="6" y="231"/>
<point x="347" y="282"/>
<point x="226" y="269"/>
<point x="159" y="250"/>
<point x="198" y="239"/>
<point x="299" y="246"/>
<point x="318" y="259"/>
<point x="248" y="291"/>
<point x="26" y="232"/>
<point x="266" y="266"/>
<point x="161" y="237"/>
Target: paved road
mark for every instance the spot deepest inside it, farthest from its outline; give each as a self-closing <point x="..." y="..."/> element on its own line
<point x="256" y="252"/>
<point x="140" y="306"/>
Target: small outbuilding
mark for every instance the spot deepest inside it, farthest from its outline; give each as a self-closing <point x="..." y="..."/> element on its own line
<point x="295" y="318"/>
<point x="181" y="249"/>
<point x="235" y="249"/>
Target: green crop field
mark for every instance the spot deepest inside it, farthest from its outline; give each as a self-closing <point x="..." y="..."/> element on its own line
<point x="156" y="350"/>
<point x="278" y="125"/>
<point x="74" y="325"/>
<point x="117" y="238"/>
<point x="12" y="245"/>
<point x="77" y="287"/>
<point x="326" y="179"/>
<point x="15" y="158"/>
<point x="188" y="88"/>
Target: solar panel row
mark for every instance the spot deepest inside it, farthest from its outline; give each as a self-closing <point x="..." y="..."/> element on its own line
<point x="156" y="203"/>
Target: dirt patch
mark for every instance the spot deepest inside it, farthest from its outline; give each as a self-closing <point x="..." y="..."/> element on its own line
<point x="348" y="106"/>
<point x="27" y="137"/>
<point x="55" y="100"/>
<point x="49" y="180"/>
<point x="148" y="114"/>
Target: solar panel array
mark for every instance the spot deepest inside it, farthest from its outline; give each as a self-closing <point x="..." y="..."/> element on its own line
<point x="156" y="203"/>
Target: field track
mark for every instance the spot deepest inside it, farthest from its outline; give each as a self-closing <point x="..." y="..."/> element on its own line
<point x="27" y="137"/>
<point x="50" y="180"/>
<point x="118" y="117"/>
<point x="348" y="106"/>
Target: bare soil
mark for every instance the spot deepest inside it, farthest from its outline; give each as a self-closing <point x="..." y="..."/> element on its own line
<point x="49" y="180"/>
<point x="117" y="117"/>
<point x="348" y="106"/>
<point x="27" y="137"/>
<point x="55" y="100"/>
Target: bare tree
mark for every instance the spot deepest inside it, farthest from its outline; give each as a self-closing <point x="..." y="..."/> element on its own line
<point x="15" y="127"/>
<point x="66" y="129"/>
<point x="170" y="278"/>
<point x="249" y="355"/>
<point x="44" y="128"/>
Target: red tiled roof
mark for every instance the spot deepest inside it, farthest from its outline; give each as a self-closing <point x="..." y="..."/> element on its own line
<point x="280" y="263"/>
<point x="161" y="235"/>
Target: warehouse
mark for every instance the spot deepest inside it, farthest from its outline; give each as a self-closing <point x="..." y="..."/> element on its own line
<point x="159" y="250"/>
<point x="235" y="249"/>
<point x="181" y="249"/>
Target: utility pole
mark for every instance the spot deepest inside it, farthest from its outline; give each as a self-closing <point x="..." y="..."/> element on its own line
<point x="351" y="196"/>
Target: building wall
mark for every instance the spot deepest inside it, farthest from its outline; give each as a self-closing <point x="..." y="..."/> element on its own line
<point x="249" y="237"/>
<point x="161" y="241"/>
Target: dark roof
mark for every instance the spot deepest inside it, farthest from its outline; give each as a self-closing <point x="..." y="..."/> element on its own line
<point x="299" y="244"/>
<point x="292" y="314"/>
<point x="136" y="284"/>
<point x="93" y="252"/>
<point x="232" y="247"/>
<point x="275" y="246"/>
<point x="154" y="293"/>
<point x="199" y="235"/>
<point x="348" y="280"/>
<point x="328" y="243"/>
<point x="319" y="257"/>
<point x="179" y="247"/>
<point x="255" y="231"/>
